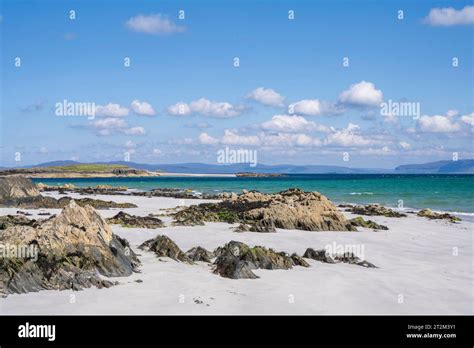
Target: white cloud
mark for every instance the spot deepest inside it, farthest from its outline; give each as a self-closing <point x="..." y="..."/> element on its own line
<point x="179" y="109"/>
<point x="154" y="24"/>
<point x="157" y="152"/>
<point x="43" y="150"/>
<point x="206" y="139"/>
<point x="292" y="124"/>
<point x="205" y="107"/>
<point x="362" y="94"/>
<point x="266" y="96"/>
<point x="468" y="119"/>
<point x="449" y="16"/>
<point x="134" y="131"/>
<point x="313" y="107"/>
<point x="110" y="125"/>
<point x="384" y="151"/>
<point x="288" y="140"/>
<point x="347" y="137"/>
<point x="142" y="108"/>
<point x="130" y="144"/>
<point x="404" y="145"/>
<point x="452" y="113"/>
<point x="111" y="110"/>
<point x="437" y="124"/>
<point x="232" y="138"/>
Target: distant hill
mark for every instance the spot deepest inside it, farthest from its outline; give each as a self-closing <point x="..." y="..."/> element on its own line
<point x="440" y="167"/>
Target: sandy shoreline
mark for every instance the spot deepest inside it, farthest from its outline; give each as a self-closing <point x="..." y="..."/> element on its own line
<point x="419" y="272"/>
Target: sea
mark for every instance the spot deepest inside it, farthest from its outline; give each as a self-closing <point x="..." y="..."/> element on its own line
<point x="446" y="193"/>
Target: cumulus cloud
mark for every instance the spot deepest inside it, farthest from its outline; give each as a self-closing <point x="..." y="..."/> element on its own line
<point x="154" y="24"/>
<point x="142" y="108"/>
<point x="313" y="107"/>
<point x="347" y="137"/>
<point x="205" y="107"/>
<point x="361" y="94"/>
<point x="404" y="145"/>
<point x="449" y="16"/>
<point x="111" y="110"/>
<point x="206" y="139"/>
<point x="110" y="125"/>
<point x="437" y="124"/>
<point x="266" y="96"/>
<point x="292" y="124"/>
<point x="468" y="119"/>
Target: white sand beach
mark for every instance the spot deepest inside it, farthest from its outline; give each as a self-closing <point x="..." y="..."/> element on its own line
<point x="425" y="267"/>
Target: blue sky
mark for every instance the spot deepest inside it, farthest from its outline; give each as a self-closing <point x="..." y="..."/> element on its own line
<point x="187" y="64"/>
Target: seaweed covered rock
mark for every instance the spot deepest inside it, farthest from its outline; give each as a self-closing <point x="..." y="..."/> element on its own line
<point x="95" y="203"/>
<point x="236" y="260"/>
<point x="375" y="210"/>
<point x="360" y="222"/>
<point x="200" y="254"/>
<point x="128" y="220"/>
<point x="290" y="209"/>
<point x="428" y="213"/>
<point x="71" y="251"/>
<point x="163" y="246"/>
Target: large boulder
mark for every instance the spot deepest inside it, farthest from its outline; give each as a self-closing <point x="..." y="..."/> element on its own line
<point x="290" y="209"/>
<point x="346" y="257"/>
<point x="200" y="254"/>
<point x="73" y="251"/>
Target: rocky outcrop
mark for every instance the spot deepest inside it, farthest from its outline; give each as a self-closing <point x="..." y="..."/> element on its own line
<point x="360" y="222"/>
<point x="237" y="260"/>
<point x="163" y="246"/>
<point x="128" y="220"/>
<point x="95" y="190"/>
<point x="200" y="254"/>
<point x="17" y="191"/>
<point x="290" y="209"/>
<point x="346" y="257"/>
<point x="428" y="213"/>
<point x="375" y="210"/>
<point x="72" y="251"/>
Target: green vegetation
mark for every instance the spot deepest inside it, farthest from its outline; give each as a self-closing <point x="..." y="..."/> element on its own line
<point x="88" y="168"/>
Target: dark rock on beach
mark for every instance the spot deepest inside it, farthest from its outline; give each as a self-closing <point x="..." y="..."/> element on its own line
<point x="200" y="254"/>
<point x="163" y="246"/>
<point x="428" y="213"/>
<point x="360" y="222"/>
<point x="375" y="210"/>
<point x="326" y="257"/>
<point x="128" y="220"/>
<point x="237" y="260"/>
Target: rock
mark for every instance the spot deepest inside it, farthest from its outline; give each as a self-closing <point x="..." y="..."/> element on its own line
<point x="163" y="246"/>
<point x="263" y="226"/>
<point x="237" y="260"/>
<point x="95" y="203"/>
<point x="229" y="266"/>
<point x="318" y="255"/>
<point x="360" y="222"/>
<point x="13" y="220"/>
<point x="20" y="192"/>
<point x="200" y="254"/>
<point x="428" y="213"/>
<point x="290" y="209"/>
<point x="299" y="261"/>
<point x="326" y="257"/>
<point x="72" y="251"/>
<point x="242" y="228"/>
<point x="374" y="210"/>
<point x="128" y="220"/>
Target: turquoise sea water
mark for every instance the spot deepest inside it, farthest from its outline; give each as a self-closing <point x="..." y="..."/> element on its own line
<point x="453" y="193"/>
